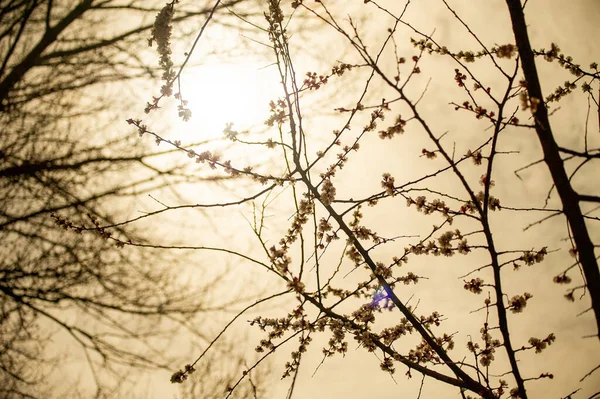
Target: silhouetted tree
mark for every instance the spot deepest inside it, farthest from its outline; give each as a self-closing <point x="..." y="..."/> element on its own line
<point x="350" y="280"/>
<point x="583" y="248"/>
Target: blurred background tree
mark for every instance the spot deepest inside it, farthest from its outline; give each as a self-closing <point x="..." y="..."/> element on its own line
<point x="68" y="70"/>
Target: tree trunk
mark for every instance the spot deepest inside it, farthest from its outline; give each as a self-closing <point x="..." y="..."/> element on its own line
<point x="570" y="199"/>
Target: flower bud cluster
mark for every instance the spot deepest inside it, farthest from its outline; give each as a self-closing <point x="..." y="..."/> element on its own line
<point x="180" y="376"/>
<point x="531" y="257"/>
<point x="443" y="246"/>
<point x="541" y="344"/>
<point x="161" y="33"/>
<point x="517" y="303"/>
<point x="396" y="128"/>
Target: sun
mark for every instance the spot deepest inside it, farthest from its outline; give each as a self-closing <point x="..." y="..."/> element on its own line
<point x="219" y="94"/>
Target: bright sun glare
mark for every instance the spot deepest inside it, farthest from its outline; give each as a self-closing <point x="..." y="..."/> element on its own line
<point x="218" y="94"/>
